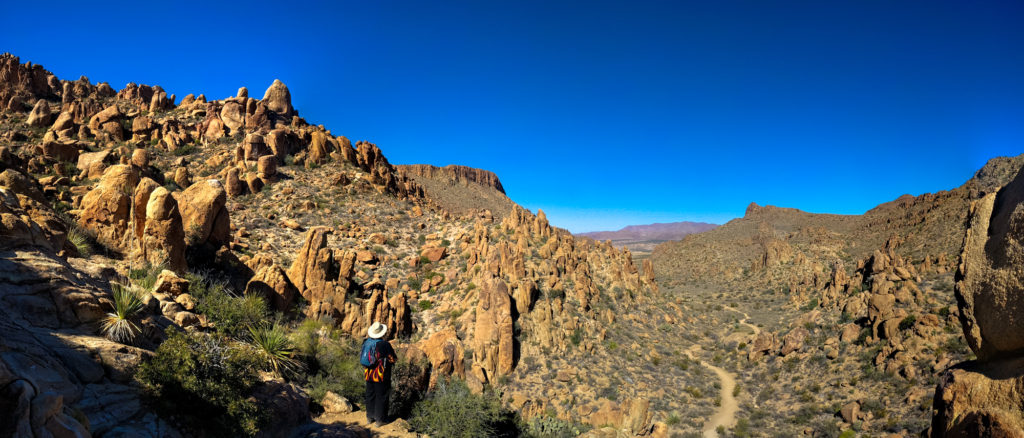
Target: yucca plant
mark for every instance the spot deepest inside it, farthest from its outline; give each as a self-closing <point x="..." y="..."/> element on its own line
<point x="119" y="325"/>
<point x="80" y="240"/>
<point x="272" y="344"/>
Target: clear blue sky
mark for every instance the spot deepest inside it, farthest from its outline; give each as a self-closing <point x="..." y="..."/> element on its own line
<point x="601" y="113"/>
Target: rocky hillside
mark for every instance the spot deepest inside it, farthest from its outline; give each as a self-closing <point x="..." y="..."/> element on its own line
<point x="217" y="215"/>
<point x="862" y="304"/>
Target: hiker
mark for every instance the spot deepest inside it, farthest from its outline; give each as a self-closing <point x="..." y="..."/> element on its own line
<point x="377" y="356"/>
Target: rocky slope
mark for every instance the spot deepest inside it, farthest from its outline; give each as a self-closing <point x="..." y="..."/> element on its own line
<point x="246" y="192"/>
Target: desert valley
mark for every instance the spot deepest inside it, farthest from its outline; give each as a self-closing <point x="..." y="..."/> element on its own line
<point x="191" y="266"/>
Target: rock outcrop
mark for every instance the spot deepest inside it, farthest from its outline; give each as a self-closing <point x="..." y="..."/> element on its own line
<point x="493" y="349"/>
<point x="986" y="397"/>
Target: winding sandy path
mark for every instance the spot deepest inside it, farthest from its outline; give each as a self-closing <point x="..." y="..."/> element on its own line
<point x="756" y="329"/>
<point x="726" y="413"/>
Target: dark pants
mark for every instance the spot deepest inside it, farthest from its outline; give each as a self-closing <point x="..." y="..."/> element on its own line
<point x="377" y="401"/>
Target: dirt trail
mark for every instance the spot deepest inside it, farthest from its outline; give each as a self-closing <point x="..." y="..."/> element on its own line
<point x="726" y="413"/>
<point x="756" y="329"/>
<point x="355" y="422"/>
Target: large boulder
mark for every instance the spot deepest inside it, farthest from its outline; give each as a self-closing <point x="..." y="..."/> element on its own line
<point x="985" y="397"/>
<point x="278" y="99"/>
<point x="204" y="214"/>
<point x="231" y="114"/>
<point x="990" y="277"/>
<point x="106" y="209"/>
<point x="163" y="240"/>
<point x="980" y="399"/>
<point x="272" y="283"/>
<point x="40" y="115"/>
<point x="319" y="276"/>
<point x="445" y="352"/>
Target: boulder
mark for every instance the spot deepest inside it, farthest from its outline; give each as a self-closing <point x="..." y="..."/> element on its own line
<point x="335" y="404"/>
<point x="435" y="254"/>
<point x="445" y="352"/>
<point x="273" y="283"/>
<point x="267" y="166"/>
<point x="163" y="240"/>
<point x="231" y="115"/>
<point x="167" y="282"/>
<point x="204" y="213"/>
<point x="278" y="99"/>
<point x="980" y="399"/>
<point x="106" y="209"/>
<point x="793" y="341"/>
<point x="233" y="183"/>
<point x="40" y="115"/>
<point x="990" y="276"/>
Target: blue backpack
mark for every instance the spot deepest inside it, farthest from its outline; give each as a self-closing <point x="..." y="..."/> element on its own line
<point x="368" y="356"/>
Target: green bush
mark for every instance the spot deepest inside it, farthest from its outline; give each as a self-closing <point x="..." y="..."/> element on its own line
<point x="145" y="276"/>
<point x="339" y="371"/>
<point x="205" y="381"/>
<point x="908" y="322"/>
<point x="452" y="410"/>
<point x="232" y="314"/>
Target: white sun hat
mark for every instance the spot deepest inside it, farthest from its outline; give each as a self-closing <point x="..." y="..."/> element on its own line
<point x="377" y="330"/>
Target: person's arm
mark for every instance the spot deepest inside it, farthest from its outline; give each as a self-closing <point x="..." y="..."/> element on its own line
<point x="392" y="356"/>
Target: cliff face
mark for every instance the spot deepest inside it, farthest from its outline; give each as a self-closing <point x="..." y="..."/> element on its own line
<point x="455" y="174"/>
<point x="461" y="190"/>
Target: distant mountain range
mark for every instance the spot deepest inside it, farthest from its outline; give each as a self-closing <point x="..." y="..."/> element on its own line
<point x="641" y="239"/>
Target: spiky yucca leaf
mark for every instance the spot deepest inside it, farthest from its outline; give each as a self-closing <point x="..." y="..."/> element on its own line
<point x="80" y="240"/>
<point x="119" y="324"/>
<point x="275" y="347"/>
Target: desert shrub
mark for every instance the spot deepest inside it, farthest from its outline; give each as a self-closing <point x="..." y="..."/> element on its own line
<point x="811" y="305"/>
<point x="188" y="149"/>
<point x="452" y="410"/>
<point x="742" y="428"/>
<point x="145" y="276"/>
<point x="204" y="380"/>
<point x="415" y="283"/>
<point x="408" y="385"/>
<point x="908" y="322"/>
<point x="231" y="313"/>
<point x="425" y="304"/>
<point x="339" y="371"/>
<point x="576" y="337"/>
<point x="546" y="426"/>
